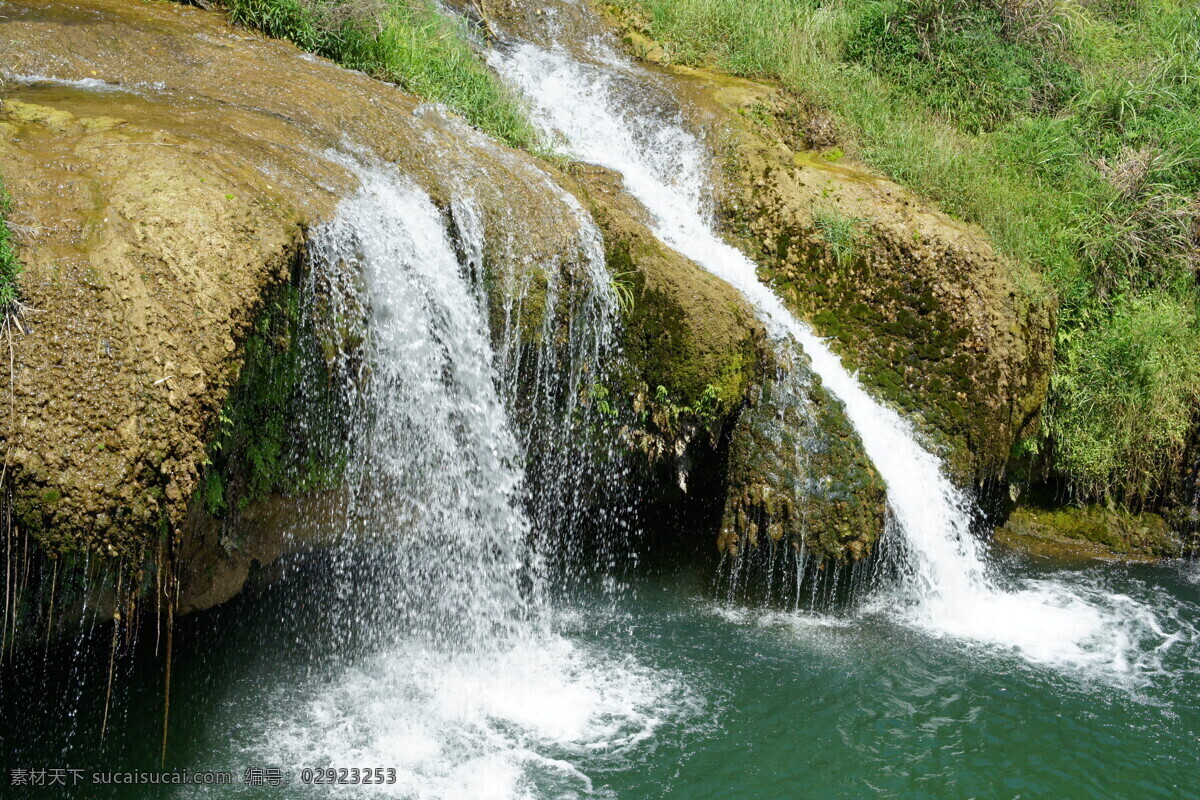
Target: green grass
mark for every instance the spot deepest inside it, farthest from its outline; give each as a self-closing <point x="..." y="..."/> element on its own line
<point x="1123" y="397"/>
<point x="10" y="267"/>
<point x="841" y="232"/>
<point x="405" y="42"/>
<point x="1067" y="129"/>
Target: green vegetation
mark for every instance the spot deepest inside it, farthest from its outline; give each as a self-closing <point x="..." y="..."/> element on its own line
<point x="1066" y="129"/>
<point x="703" y="412"/>
<point x="840" y="231"/>
<point x="1124" y="395"/>
<point x="405" y="42"/>
<point x="280" y="429"/>
<point x="623" y="287"/>
<point x="10" y="267"/>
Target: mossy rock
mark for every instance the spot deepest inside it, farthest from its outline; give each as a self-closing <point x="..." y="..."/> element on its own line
<point x="798" y="474"/>
<point x="932" y="319"/>
<point x="700" y="369"/>
<point x="284" y="425"/>
<point x="691" y="347"/>
<point x="1089" y="532"/>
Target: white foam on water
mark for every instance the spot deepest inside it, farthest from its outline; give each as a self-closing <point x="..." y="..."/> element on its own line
<point x="89" y="84"/>
<point x="92" y="84"/>
<point x="771" y="618"/>
<point x="608" y="112"/>
<point x="514" y="725"/>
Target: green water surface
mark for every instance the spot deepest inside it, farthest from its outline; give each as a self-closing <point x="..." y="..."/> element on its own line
<point x="713" y="701"/>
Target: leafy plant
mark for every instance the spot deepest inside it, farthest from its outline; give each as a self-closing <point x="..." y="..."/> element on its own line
<point x="602" y="401"/>
<point x="622" y="285"/>
<point x="702" y="412"/>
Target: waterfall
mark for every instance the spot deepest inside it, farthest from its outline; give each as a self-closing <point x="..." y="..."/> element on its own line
<point x="435" y="465"/>
<point x="451" y="666"/>
<point x="610" y="112"/>
<point x="553" y="315"/>
<point x="575" y="471"/>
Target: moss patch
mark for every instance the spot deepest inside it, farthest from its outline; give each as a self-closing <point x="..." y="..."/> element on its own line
<point x="691" y="346"/>
<point x="797" y="474"/>
<point x="282" y="427"/>
<point x="1089" y="532"/>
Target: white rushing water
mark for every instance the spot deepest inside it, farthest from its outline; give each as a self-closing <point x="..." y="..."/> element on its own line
<point x="606" y="111"/>
<point x="435" y="466"/>
<point x="455" y="672"/>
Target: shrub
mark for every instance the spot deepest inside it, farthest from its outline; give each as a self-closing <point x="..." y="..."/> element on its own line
<point x="1124" y="394"/>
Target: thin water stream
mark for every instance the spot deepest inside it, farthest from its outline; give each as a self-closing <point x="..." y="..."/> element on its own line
<point x="608" y="111"/>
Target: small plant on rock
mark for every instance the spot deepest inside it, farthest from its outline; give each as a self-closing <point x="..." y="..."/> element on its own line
<point x="842" y="233"/>
<point x="10" y="268"/>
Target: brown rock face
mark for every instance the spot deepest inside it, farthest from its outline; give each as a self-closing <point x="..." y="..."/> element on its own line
<point x="164" y="180"/>
<point x="145" y="255"/>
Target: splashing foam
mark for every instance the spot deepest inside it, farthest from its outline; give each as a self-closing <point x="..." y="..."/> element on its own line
<point x="455" y="726"/>
<point x="610" y="112"/>
<point x="87" y="84"/>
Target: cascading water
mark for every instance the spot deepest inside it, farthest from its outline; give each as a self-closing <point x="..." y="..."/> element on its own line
<point x="451" y="667"/>
<point x="553" y="312"/>
<point x="610" y="112"/>
<point x="548" y="383"/>
<point x="435" y="464"/>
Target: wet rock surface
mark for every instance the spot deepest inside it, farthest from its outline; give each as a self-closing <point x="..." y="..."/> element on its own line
<point x="798" y="475"/>
<point x="1074" y="533"/>
<point x="704" y="373"/>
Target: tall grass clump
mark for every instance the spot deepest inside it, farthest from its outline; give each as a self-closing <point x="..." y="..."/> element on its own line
<point x="841" y="232"/>
<point x="1066" y="129"/>
<point x="405" y="42"/>
<point x="10" y="267"/>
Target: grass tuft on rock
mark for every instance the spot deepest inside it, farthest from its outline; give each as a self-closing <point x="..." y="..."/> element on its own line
<point x="406" y="42"/>
<point x="1067" y="130"/>
<point x="10" y="266"/>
